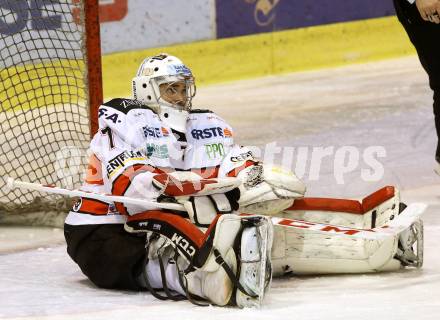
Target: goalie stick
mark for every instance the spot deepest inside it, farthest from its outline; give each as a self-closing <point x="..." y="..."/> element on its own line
<point x="409" y="215"/>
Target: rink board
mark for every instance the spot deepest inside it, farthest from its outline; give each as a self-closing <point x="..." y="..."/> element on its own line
<point x="223" y="60"/>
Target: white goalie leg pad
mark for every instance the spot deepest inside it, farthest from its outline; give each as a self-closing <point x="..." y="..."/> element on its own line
<point x="268" y="190"/>
<point x="256" y="264"/>
<point x="232" y="257"/>
<point x="214" y="285"/>
<point x="306" y="252"/>
<point x="251" y="267"/>
<point x="211" y="281"/>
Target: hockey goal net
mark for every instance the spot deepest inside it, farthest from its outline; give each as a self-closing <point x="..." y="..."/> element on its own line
<point x="50" y="69"/>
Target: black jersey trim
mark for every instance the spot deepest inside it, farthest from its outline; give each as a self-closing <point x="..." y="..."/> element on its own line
<point x="126" y="105"/>
<point x="201" y="111"/>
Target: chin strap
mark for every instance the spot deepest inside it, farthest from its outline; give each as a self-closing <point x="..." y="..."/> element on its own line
<point x="174" y="118"/>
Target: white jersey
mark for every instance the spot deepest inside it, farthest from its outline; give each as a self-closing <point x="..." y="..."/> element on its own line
<point x="209" y="140"/>
<point x="133" y="144"/>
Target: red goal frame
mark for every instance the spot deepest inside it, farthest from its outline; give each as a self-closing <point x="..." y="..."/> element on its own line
<point x="94" y="61"/>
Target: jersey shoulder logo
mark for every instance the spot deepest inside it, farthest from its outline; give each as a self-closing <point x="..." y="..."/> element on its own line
<point x="126" y="105"/>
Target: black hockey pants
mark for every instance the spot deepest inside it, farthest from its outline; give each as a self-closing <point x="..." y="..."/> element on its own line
<point x="425" y="36"/>
<point x="108" y="255"/>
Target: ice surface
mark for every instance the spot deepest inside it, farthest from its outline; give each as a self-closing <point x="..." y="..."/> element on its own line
<point x="386" y="103"/>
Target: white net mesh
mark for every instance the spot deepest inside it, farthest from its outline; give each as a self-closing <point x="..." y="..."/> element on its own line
<point x="44" y="117"/>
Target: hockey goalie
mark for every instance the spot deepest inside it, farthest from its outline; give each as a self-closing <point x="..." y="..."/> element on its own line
<point x="221" y="248"/>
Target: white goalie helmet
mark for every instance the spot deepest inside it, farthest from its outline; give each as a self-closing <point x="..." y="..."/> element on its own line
<point x="164" y="83"/>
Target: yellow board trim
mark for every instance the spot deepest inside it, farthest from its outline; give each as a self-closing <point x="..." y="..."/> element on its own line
<point x="266" y="54"/>
<point x="24" y="87"/>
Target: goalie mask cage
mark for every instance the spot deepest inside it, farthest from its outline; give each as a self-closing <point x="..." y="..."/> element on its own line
<point x="50" y="69"/>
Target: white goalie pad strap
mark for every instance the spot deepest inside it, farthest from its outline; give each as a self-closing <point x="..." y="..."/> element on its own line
<point x="226" y="231"/>
<point x="201" y="210"/>
<point x="221" y="203"/>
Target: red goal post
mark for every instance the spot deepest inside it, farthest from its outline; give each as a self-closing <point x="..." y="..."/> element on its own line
<point x="50" y="90"/>
<point x="93" y="45"/>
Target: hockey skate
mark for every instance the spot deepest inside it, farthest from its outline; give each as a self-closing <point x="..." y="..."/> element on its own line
<point x="410" y="247"/>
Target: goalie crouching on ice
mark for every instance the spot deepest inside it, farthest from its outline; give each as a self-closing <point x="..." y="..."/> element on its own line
<point x="222" y="249"/>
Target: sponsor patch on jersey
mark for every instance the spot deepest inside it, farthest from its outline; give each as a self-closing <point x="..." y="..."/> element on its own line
<point x="157" y="151"/>
<point x="119" y="161"/>
<point x="155" y="132"/>
<point x="243" y="157"/>
<point x="227" y="133"/>
<point x="165" y="132"/>
<point x="214" y="118"/>
<point x="215" y="151"/>
<point x="112" y="209"/>
<point x="209" y="133"/>
<point x="127" y="103"/>
<point x="77" y="205"/>
<point x="122" y="105"/>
